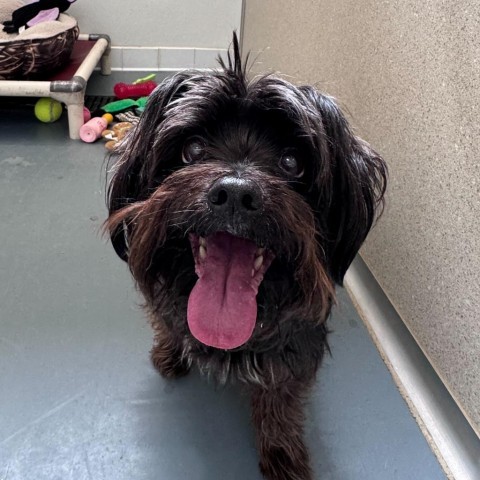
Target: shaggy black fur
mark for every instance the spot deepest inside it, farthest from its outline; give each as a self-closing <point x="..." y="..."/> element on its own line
<point x="309" y="193"/>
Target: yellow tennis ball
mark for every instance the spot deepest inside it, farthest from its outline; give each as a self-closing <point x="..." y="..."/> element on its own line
<point x="48" y="110"/>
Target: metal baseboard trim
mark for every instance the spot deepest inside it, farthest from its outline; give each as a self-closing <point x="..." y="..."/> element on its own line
<point x="451" y="437"/>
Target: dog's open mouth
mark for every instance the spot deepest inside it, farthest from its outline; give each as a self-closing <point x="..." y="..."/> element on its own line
<point x="222" y="307"/>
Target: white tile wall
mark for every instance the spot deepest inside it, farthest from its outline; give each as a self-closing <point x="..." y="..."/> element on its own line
<point x="163" y="58"/>
<point x="140" y="58"/>
<point x="207" y="58"/>
<point x="177" y="58"/>
<point x="116" y="57"/>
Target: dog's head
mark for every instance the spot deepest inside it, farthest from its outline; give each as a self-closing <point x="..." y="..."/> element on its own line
<point x="243" y="202"/>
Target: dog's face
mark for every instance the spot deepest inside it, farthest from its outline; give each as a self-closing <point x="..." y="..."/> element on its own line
<point x="238" y="205"/>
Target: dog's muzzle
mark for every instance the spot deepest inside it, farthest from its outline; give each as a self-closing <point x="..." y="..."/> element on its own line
<point x="222" y="307"/>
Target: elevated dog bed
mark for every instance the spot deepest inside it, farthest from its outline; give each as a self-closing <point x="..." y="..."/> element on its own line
<point x="68" y="85"/>
<point x="51" y="59"/>
<point x="38" y="50"/>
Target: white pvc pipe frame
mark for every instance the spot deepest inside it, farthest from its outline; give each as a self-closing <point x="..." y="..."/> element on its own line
<point x="74" y="99"/>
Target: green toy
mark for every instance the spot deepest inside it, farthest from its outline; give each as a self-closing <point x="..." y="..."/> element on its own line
<point x="120" y="106"/>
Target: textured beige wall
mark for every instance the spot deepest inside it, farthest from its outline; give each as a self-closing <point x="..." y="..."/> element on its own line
<point x="409" y="74"/>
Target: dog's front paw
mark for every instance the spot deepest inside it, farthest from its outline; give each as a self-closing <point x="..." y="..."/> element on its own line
<point x="169" y="362"/>
<point x="278" y="416"/>
<point x="285" y="463"/>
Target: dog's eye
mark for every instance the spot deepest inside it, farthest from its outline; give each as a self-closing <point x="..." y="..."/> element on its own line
<point x="193" y="150"/>
<point x="290" y="165"/>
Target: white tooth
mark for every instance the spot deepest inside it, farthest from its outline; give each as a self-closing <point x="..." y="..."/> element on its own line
<point x="259" y="251"/>
<point x="202" y="241"/>
<point x="258" y="262"/>
<point x="202" y="252"/>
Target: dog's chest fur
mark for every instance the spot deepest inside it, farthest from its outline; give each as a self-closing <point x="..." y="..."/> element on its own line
<point x="278" y="340"/>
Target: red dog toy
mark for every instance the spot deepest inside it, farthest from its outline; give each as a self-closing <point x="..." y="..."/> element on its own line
<point x="125" y="90"/>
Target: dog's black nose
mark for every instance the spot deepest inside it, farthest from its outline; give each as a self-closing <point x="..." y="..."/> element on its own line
<point x="230" y="195"/>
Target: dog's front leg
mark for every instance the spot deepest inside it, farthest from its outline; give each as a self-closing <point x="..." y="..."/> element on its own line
<point x="166" y="354"/>
<point x="278" y="418"/>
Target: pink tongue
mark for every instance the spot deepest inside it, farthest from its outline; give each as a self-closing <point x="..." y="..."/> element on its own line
<point x="222" y="307"/>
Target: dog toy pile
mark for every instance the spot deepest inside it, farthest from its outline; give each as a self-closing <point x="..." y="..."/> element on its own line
<point x="126" y="111"/>
<point x="122" y="114"/>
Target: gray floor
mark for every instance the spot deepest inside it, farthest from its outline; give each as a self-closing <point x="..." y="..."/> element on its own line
<point x="78" y="397"/>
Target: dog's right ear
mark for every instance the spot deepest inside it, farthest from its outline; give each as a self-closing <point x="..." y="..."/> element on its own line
<point x="352" y="180"/>
<point x="135" y="161"/>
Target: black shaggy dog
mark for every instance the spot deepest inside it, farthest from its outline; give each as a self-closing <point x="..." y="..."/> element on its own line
<point x="238" y="206"/>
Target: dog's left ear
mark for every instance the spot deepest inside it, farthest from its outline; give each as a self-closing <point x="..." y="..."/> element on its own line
<point x="351" y="179"/>
<point x="137" y="158"/>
